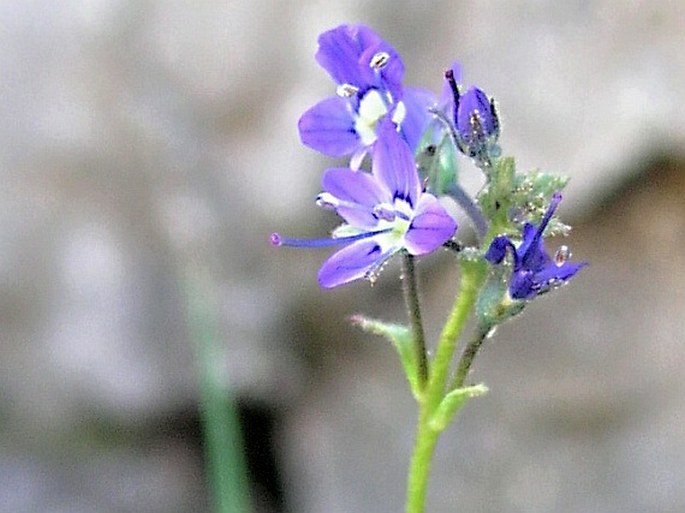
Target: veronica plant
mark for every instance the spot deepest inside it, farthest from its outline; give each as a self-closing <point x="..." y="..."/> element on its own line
<point x="414" y="142"/>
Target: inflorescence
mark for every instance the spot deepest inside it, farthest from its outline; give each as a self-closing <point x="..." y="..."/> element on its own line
<point x="411" y="139"/>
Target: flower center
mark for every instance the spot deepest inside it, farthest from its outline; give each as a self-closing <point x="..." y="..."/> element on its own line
<point x="394" y="220"/>
<point x="372" y="108"/>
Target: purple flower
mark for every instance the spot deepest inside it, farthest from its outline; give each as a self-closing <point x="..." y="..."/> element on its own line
<point x="385" y="211"/>
<point x="475" y="118"/>
<point x="534" y="271"/>
<point x="369" y="75"/>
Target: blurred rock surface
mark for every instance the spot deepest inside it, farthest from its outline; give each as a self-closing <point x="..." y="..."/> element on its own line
<point x="142" y="137"/>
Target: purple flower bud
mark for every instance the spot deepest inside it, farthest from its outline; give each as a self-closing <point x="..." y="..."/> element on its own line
<point x="476" y="118"/>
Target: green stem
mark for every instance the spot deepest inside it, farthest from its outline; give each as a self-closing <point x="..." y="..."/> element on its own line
<point x="226" y="466"/>
<point x="467" y="357"/>
<point x="472" y="277"/>
<point x="411" y="298"/>
<point x="419" y="467"/>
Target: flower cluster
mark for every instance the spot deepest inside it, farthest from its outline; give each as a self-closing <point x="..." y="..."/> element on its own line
<point x="394" y="207"/>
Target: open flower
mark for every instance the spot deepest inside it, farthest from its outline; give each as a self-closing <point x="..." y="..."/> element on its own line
<point x="534" y="272"/>
<point x="385" y="211"/>
<point x="369" y="75"/>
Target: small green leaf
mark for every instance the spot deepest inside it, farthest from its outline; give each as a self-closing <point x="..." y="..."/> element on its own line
<point x="494" y="304"/>
<point x="452" y="403"/>
<point x="401" y="338"/>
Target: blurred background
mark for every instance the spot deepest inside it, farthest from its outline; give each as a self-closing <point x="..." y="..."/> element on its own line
<point x="150" y="148"/>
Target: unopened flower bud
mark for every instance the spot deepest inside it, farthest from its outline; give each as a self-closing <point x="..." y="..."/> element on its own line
<point x="476" y="120"/>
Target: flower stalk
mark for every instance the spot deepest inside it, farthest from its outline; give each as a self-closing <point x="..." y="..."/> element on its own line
<point x="472" y="278"/>
<point x="467" y="357"/>
<point x="411" y="298"/>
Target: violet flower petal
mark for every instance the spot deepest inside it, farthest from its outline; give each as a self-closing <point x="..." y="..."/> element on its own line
<point x="328" y="127"/>
<point x="522" y="284"/>
<point x="498" y="249"/>
<point x="558" y="273"/>
<point x="346" y="51"/>
<point x="360" y="190"/>
<point x="393" y="165"/>
<point x="531" y="253"/>
<point x="339" y="52"/>
<point x="391" y="74"/>
<point x="430" y="227"/>
<point x="351" y="263"/>
<point x="417" y="102"/>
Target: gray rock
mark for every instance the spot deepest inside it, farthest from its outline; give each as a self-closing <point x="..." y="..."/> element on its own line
<point x="147" y="141"/>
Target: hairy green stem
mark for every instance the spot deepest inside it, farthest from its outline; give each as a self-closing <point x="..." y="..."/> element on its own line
<point x="420" y="464"/>
<point x="467" y="357"/>
<point x="411" y="298"/>
<point x="472" y="277"/>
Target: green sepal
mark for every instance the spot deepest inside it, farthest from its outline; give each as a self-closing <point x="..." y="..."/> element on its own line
<point x="510" y="199"/>
<point x="401" y="338"/>
<point x="437" y="163"/>
<point x="452" y="403"/>
<point x="495" y="198"/>
<point x="494" y="304"/>
<point x="531" y="195"/>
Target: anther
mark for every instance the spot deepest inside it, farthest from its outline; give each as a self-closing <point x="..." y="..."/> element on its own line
<point x="379" y="60"/>
<point x="384" y="212"/>
<point x="327" y="200"/>
<point x="346" y="90"/>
